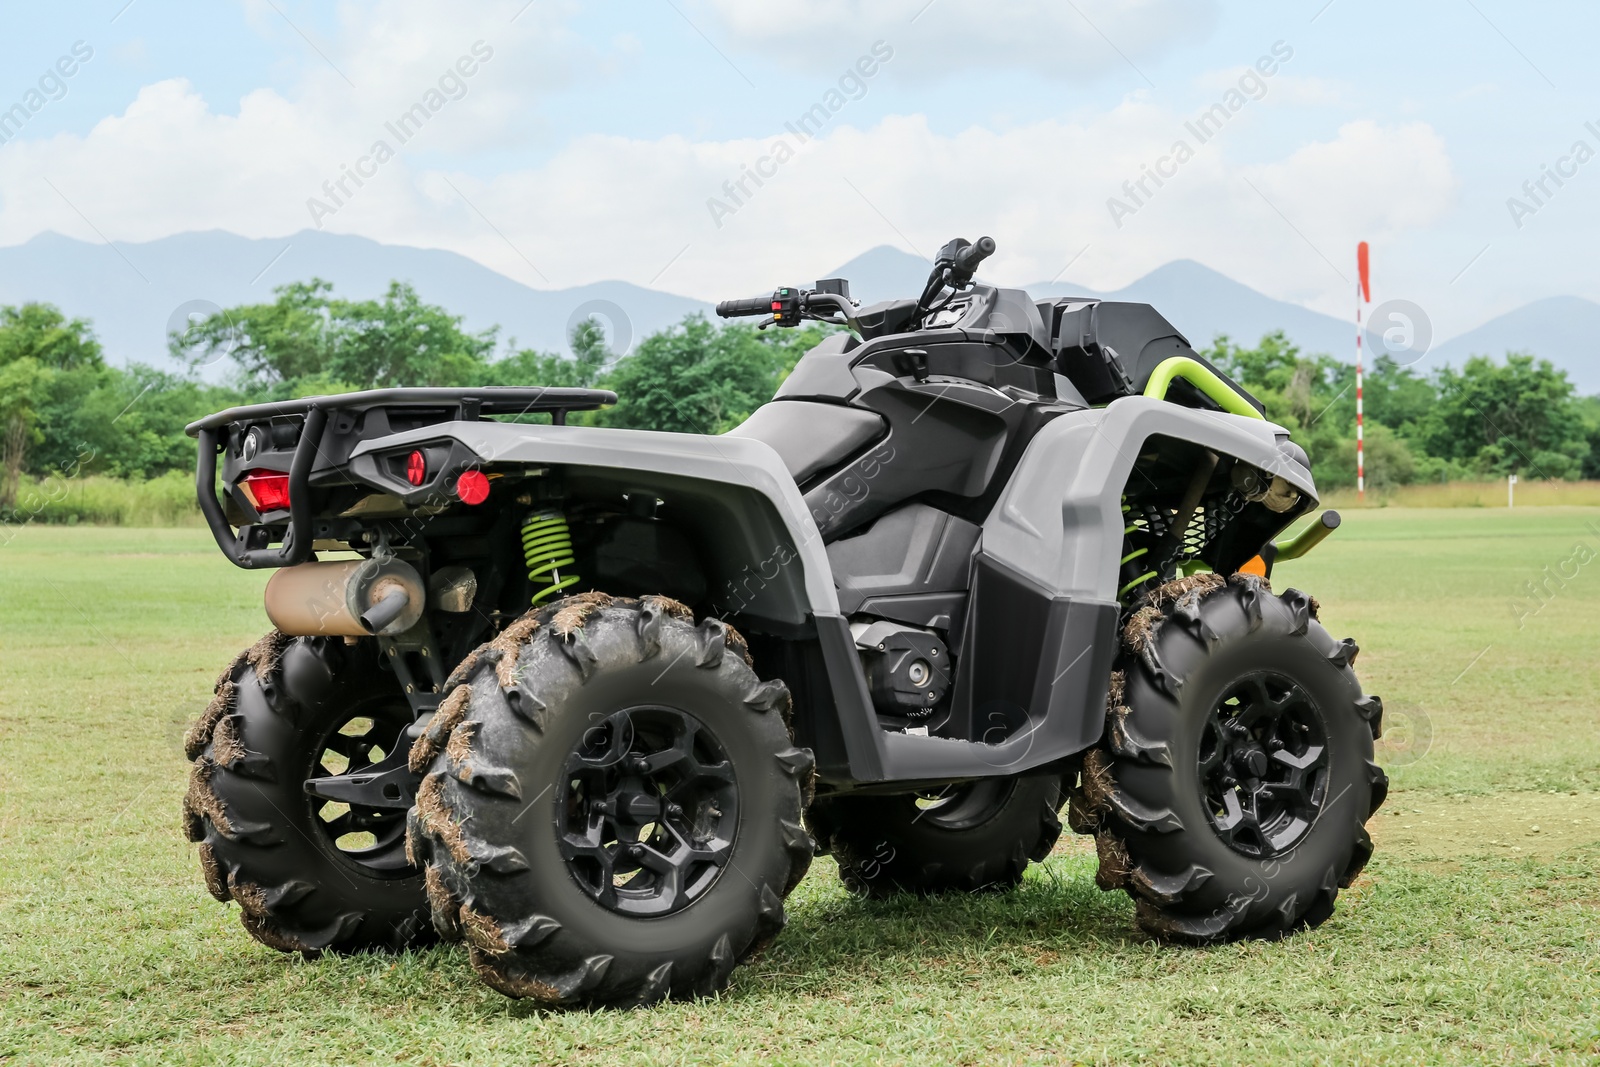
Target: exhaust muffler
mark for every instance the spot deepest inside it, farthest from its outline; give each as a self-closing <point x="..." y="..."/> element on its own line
<point x="352" y="598"/>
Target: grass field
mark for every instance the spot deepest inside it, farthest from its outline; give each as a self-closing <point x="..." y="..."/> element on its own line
<point x="1473" y="937"/>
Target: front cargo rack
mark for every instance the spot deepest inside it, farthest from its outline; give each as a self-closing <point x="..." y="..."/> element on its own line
<point x="444" y="405"/>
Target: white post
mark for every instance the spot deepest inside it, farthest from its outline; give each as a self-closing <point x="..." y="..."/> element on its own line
<point x="1511" y="489"/>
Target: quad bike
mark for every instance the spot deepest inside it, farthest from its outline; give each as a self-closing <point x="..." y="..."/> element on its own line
<point x="591" y="699"/>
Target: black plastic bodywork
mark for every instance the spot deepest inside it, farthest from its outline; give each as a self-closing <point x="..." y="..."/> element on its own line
<point x="1109" y="349"/>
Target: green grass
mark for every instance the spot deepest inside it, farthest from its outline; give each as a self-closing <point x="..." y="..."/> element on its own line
<point x="1472" y="938"/>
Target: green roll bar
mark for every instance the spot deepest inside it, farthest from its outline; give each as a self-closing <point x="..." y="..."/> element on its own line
<point x="1202" y="378"/>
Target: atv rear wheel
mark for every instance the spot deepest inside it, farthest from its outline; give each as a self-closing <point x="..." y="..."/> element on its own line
<point x="963" y="838"/>
<point x="611" y="812"/>
<point x="1230" y="792"/>
<point x="307" y="875"/>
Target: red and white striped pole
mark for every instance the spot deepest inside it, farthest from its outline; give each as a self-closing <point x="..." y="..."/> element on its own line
<point x="1363" y="293"/>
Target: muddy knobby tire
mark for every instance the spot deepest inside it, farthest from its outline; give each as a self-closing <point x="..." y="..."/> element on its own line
<point x="491" y="821"/>
<point x="1160" y="836"/>
<point x="261" y="842"/>
<point x="980" y="836"/>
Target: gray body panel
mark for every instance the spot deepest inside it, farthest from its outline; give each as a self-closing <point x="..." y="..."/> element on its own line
<point x="757" y="526"/>
<point x="1059" y="520"/>
<point x="1051" y="547"/>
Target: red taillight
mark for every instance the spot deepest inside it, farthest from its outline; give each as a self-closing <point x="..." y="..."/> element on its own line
<point x="472" y="487"/>
<point x="267" y="490"/>
<point x="416" y="468"/>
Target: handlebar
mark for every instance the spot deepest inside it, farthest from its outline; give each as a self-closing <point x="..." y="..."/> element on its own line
<point x="953" y="269"/>
<point x="788" y="306"/>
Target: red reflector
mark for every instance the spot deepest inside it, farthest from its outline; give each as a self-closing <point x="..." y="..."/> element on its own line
<point x="472" y="487"/>
<point x="267" y="490"/>
<point x="416" y="468"/>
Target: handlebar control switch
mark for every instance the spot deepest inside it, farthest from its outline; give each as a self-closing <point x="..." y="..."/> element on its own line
<point x="786" y="307"/>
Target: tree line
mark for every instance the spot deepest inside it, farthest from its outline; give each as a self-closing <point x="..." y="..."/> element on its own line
<point x="65" y="410"/>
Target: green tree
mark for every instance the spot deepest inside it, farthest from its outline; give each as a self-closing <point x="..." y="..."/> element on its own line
<point x="132" y="424"/>
<point x="590" y="354"/>
<point x="47" y="363"/>
<point x="697" y="378"/>
<point x="42" y="332"/>
<point x="400" y="341"/>
<point x="1394" y="395"/>
<point x="293" y="337"/>
<point x="21" y="385"/>
<point x="1589" y="411"/>
<point x="308" y="341"/>
<point x="1391" y="460"/>
<point x="1518" y="417"/>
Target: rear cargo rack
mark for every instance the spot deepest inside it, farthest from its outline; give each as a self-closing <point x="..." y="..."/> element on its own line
<point x="469" y="404"/>
<point x="489" y="400"/>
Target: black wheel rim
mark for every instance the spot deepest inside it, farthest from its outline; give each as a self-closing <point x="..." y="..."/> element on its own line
<point x="647" y="811"/>
<point x="362" y="737"/>
<point x="1264" y="764"/>
<point x="961" y="807"/>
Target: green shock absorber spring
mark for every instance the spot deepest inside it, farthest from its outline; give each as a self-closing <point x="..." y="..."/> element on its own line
<point x="547" y="550"/>
<point x="1131" y="556"/>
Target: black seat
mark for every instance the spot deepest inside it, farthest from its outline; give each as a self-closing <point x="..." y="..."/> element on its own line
<point x="810" y="437"/>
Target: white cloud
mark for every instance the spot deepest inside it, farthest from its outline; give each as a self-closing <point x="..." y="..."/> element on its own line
<point x="613" y="207"/>
<point x="170" y="162"/>
<point x="1074" y="42"/>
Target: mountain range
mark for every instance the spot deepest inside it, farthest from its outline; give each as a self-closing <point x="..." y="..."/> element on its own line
<point x="135" y="293"/>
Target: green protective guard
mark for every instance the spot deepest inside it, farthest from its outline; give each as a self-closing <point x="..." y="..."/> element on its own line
<point x="1310" y="537"/>
<point x="1202" y="378"/>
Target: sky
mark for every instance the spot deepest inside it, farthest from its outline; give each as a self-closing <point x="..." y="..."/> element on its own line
<point x="721" y="147"/>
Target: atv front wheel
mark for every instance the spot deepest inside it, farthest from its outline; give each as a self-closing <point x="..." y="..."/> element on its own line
<point x="1230" y="792"/>
<point x="963" y="838"/>
<point x="307" y="874"/>
<point x="611" y="812"/>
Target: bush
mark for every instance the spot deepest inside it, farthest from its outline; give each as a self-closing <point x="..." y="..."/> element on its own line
<point x="166" y="500"/>
<point x="1390" y="461"/>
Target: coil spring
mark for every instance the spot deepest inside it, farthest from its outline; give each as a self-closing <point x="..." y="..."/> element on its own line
<point x="1122" y="593"/>
<point x="547" y="549"/>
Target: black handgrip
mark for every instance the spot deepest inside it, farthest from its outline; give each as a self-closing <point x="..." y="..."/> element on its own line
<point x="750" y="305"/>
<point x="969" y="258"/>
